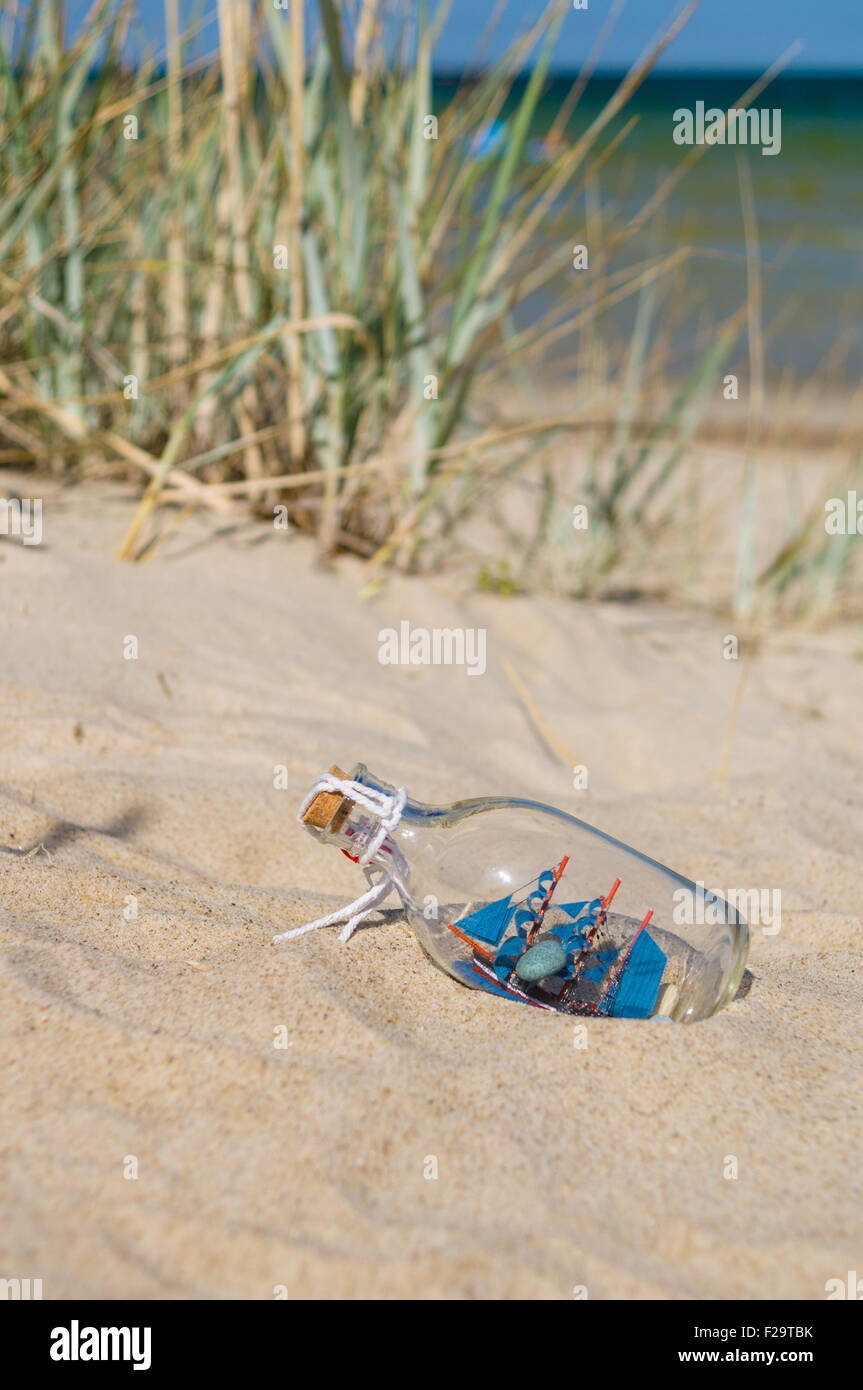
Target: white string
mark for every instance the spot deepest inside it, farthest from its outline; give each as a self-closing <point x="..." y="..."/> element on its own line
<point x="387" y="808"/>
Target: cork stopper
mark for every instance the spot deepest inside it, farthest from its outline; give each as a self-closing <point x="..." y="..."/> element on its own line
<point x="329" y="810"/>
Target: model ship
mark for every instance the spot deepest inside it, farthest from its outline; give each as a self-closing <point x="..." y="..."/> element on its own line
<point x="560" y="956"/>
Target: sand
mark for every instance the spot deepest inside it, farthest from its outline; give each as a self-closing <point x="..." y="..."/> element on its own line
<point x="145" y="1045"/>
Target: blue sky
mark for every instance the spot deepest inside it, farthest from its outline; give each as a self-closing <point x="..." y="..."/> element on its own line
<point x="740" y="34"/>
<point x="721" y="34"/>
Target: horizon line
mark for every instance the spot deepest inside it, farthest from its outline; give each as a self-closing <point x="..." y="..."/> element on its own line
<point x="447" y="69"/>
<point x="452" y="70"/>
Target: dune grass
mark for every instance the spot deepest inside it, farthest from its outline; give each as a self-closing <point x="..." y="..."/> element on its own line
<point x="278" y="275"/>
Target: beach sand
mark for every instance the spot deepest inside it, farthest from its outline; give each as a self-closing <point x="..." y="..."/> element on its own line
<point x="146" y="1044"/>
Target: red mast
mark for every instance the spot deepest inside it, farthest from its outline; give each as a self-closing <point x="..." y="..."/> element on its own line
<point x="541" y="910"/>
<point x="584" y="953"/>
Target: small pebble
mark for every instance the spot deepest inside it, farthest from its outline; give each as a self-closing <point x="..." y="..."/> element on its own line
<point x="545" y="958"/>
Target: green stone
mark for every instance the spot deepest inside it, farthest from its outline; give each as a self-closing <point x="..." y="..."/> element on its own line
<point x="547" y="957"/>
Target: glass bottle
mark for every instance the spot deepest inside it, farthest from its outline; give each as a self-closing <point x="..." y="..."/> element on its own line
<point x="532" y="904"/>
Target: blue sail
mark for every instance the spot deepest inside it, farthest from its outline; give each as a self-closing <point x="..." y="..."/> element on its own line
<point x="488" y="924"/>
<point x="505" y="960"/>
<point x="633" y="994"/>
<point x="572" y="935"/>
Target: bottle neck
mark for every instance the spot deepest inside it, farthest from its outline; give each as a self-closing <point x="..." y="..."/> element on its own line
<point x="413" y="810"/>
